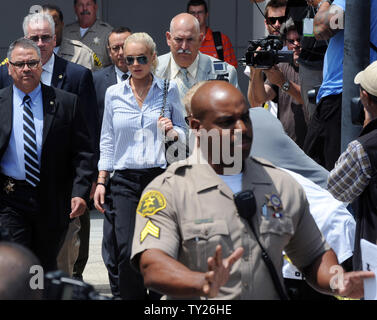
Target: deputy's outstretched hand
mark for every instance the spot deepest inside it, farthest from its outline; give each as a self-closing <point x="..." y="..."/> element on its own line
<point x="219" y="270"/>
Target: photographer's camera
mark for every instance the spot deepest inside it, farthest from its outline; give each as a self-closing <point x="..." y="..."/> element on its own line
<point x="266" y="52"/>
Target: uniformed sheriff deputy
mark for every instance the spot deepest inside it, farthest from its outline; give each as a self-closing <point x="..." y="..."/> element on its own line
<point x="71" y="50"/>
<point x="187" y="218"/>
<point x="90" y="31"/>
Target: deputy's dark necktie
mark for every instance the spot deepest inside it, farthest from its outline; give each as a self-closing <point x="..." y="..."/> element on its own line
<point x="124" y="76"/>
<point x="30" y="145"/>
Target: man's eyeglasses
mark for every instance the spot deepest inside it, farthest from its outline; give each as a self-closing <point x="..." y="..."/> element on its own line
<point x="116" y="48"/>
<point x="44" y="38"/>
<point x="272" y="20"/>
<point x="130" y="60"/>
<point x="32" y="64"/>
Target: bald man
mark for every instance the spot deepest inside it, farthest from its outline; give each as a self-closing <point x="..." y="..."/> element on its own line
<point x="192" y="216"/>
<point x="15" y="266"/>
<point x="184" y="63"/>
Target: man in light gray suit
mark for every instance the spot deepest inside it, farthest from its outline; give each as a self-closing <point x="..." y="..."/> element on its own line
<point x="184" y="63"/>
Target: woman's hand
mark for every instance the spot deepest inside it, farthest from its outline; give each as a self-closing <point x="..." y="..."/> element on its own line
<point x="166" y="125"/>
<point x="99" y="198"/>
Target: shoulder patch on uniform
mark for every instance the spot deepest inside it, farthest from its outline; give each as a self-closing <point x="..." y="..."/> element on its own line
<point x="151" y="202"/>
<point x="97" y="61"/>
<point x="151" y="229"/>
<point x="4" y="62"/>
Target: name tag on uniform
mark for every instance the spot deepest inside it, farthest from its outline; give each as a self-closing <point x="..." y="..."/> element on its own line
<point x="308" y="27"/>
<point x="200" y="221"/>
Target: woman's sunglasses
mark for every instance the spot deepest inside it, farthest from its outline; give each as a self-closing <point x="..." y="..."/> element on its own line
<point x="130" y="60"/>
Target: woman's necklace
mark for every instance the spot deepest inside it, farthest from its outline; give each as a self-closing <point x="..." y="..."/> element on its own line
<point x="140" y="95"/>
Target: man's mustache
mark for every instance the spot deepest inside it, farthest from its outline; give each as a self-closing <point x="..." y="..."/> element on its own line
<point x="184" y="51"/>
<point x="85" y="12"/>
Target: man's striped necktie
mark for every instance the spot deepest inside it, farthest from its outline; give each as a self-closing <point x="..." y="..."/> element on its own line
<point x="30" y="145"/>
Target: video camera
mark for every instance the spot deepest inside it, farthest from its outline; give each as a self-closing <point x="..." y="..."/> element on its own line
<point x="269" y="55"/>
<point x="58" y="286"/>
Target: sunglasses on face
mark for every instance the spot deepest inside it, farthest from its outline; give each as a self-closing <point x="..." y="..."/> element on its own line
<point x="45" y="38"/>
<point x="32" y="64"/>
<point x="272" y="20"/>
<point x="130" y="60"/>
<point x="187" y="119"/>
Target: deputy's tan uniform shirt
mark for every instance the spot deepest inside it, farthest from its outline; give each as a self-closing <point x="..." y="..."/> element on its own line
<point x="76" y="52"/>
<point x="188" y="210"/>
<point x="95" y="38"/>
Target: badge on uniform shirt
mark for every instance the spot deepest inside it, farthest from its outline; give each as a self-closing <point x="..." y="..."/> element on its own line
<point x="274" y="202"/>
<point x="151" y="229"/>
<point x="151" y="202"/>
<point x="96" y="40"/>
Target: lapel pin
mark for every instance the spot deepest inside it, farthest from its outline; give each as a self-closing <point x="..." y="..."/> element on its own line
<point x="9" y="186"/>
<point x="60" y="76"/>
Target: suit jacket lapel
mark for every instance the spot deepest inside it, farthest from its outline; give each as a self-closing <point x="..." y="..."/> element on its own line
<point x="6" y="114"/>
<point x="58" y="74"/>
<point x="111" y="76"/>
<point x="204" y="67"/>
<point x="49" y="109"/>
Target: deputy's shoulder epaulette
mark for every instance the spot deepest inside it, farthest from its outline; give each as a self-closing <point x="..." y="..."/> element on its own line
<point x="105" y="24"/>
<point x="178" y="166"/>
<point x="75" y="42"/>
<point x="263" y="162"/>
<point x="79" y="44"/>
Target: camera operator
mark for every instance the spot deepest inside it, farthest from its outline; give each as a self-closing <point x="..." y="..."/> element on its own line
<point x="353" y="178"/>
<point x="275" y="16"/>
<point x="282" y="86"/>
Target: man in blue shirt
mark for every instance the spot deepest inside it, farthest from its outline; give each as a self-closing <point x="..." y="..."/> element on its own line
<point x="323" y="138"/>
<point x="46" y="157"/>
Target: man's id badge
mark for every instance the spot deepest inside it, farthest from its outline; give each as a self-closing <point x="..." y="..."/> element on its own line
<point x="308" y="27"/>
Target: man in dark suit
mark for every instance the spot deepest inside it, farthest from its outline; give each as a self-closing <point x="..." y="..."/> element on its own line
<point x="103" y="79"/>
<point x="71" y="77"/>
<point x="114" y="73"/>
<point x="46" y="158"/>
